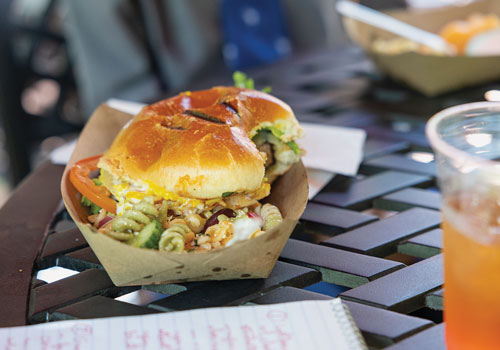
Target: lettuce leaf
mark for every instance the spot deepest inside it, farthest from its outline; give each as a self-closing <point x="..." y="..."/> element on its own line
<point x="274" y="130"/>
<point x="294" y="147"/>
<point x="278" y="133"/>
<point x="94" y="209"/>
<point x="241" y="80"/>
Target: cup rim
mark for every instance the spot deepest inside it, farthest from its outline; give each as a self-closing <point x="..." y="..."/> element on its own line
<point x="449" y="151"/>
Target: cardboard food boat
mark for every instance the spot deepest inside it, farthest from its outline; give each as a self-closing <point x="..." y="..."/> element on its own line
<point x="127" y="265"/>
<point x="430" y="74"/>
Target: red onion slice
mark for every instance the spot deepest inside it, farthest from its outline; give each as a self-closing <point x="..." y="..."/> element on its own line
<point x="213" y="220"/>
<point x="104" y="221"/>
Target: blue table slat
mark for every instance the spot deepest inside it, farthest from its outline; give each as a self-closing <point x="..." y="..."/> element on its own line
<point x="409" y="198"/>
<point x="80" y="260"/>
<point x="423" y="245"/>
<point x="236" y="292"/>
<point x="432" y="339"/>
<point x="338" y="266"/>
<point x="400" y="162"/>
<point x="403" y="290"/>
<point x="375" y="148"/>
<point x="380" y="238"/>
<point x="324" y="219"/>
<point x="360" y="194"/>
<point x="69" y="290"/>
<point x="288" y="294"/>
<point x="59" y="243"/>
<point x="383" y="327"/>
<point x="99" y="306"/>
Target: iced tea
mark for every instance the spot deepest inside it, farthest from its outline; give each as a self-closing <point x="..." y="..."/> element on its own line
<point x="472" y="273"/>
<point x="466" y="141"/>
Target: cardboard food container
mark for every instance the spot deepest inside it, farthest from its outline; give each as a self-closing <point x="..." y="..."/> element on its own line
<point x="127" y="265"/>
<point x="431" y="75"/>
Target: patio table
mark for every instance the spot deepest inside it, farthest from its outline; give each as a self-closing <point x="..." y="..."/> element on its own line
<point x="376" y="235"/>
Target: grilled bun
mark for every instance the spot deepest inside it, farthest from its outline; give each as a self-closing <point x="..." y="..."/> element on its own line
<point x="252" y="108"/>
<point x="198" y="144"/>
<point x="192" y="158"/>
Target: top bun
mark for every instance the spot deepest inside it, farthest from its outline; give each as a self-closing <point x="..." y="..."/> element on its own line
<point x="198" y="144"/>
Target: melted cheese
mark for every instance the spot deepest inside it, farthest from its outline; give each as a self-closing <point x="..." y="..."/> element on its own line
<point x="161" y="192"/>
<point x="129" y="194"/>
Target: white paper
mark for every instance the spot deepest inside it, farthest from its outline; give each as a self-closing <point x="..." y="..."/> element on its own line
<point x="298" y="325"/>
<point x="317" y="179"/>
<point x="330" y="150"/>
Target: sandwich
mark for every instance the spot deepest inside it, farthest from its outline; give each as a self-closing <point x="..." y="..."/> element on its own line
<point x="188" y="173"/>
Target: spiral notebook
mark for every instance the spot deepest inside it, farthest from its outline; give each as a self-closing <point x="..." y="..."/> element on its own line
<point x="324" y="324"/>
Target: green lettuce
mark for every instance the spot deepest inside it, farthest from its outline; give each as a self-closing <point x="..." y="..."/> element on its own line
<point x="294" y="147"/>
<point x="94" y="208"/>
<point x="241" y="80"/>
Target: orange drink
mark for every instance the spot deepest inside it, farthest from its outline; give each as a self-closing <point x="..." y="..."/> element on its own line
<point x="466" y="141"/>
<point x="472" y="288"/>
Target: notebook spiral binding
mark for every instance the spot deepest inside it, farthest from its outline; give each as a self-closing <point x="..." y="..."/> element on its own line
<point x="348" y="326"/>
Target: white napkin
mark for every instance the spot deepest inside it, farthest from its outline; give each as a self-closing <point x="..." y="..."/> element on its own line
<point x="317" y="180"/>
<point x="330" y="150"/>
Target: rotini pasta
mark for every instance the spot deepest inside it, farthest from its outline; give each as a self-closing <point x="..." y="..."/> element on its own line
<point x="120" y="236"/>
<point x="195" y="222"/>
<point x="147" y="207"/>
<point x="123" y="224"/>
<point x="271" y="216"/>
<point x="173" y="239"/>
<point x="136" y="227"/>
<point x="151" y="223"/>
<point x="136" y="215"/>
<point x="163" y="212"/>
<point x="177" y="221"/>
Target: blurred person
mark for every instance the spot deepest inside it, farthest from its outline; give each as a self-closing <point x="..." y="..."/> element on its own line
<point x="138" y="49"/>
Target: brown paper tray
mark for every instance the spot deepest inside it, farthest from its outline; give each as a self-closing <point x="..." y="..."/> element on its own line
<point x="127" y="265"/>
<point x="431" y="75"/>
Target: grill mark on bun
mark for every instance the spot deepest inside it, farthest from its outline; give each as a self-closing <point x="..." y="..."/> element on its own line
<point x="204" y="116"/>
<point x="230" y="108"/>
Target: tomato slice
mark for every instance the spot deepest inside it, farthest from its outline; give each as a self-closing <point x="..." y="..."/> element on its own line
<point x="80" y="178"/>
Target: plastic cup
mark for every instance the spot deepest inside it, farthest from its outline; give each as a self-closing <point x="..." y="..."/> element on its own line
<point x="466" y="141"/>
